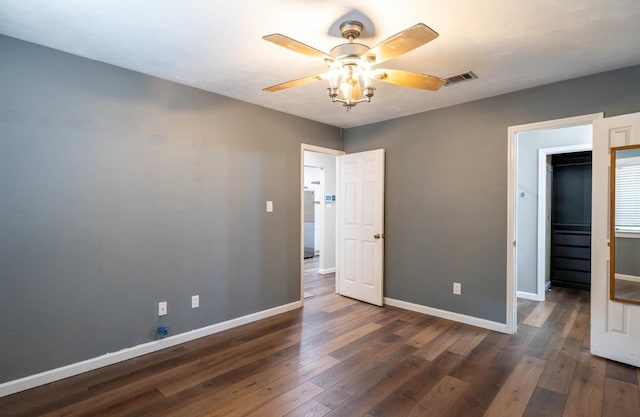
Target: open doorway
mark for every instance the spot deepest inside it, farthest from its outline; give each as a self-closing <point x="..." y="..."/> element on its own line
<point x="569" y="240"/>
<point x="530" y="189"/>
<point x="564" y="215"/>
<point x="319" y="174"/>
<point x="313" y="211"/>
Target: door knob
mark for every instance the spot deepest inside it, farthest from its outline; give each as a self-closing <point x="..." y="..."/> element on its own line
<point x="376" y="236"/>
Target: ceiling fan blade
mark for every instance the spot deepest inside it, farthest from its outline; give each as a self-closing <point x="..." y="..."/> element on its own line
<point x="293" y="83"/>
<point x="296" y="46"/>
<point x="410" y="79"/>
<point x="403" y="42"/>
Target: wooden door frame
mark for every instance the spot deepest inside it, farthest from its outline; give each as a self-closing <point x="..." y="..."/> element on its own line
<point x="512" y="136"/>
<point x="319" y="149"/>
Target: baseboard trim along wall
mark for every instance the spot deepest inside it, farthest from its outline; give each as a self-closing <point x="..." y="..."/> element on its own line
<point x="32" y="381"/>
<point x="528" y="295"/>
<point x="461" y="318"/>
<point x="324" y="271"/>
<point x="632" y="278"/>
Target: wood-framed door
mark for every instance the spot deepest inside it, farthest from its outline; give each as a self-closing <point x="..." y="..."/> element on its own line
<point x="615" y="326"/>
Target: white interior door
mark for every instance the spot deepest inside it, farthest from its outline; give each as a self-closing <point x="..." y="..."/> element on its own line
<point x="615" y="326"/>
<point x="361" y="226"/>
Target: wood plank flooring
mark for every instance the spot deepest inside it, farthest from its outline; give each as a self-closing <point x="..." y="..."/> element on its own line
<point x="339" y="357"/>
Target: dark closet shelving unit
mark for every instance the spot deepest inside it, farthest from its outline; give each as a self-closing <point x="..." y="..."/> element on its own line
<point x="571" y="221"/>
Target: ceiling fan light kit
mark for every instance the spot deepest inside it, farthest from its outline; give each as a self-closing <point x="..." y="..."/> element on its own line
<point x="351" y="71"/>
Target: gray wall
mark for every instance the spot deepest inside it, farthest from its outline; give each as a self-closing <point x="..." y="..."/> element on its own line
<point x="628" y="256"/>
<point x="446" y="187"/>
<point x="120" y="190"/>
<point x="528" y="144"/>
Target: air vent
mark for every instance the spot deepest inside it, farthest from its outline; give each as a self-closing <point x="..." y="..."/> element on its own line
<point x="455" y="79"/>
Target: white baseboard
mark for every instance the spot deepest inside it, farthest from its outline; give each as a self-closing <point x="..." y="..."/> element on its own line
<point x="449" y="315"/>
<point x="324" y="271"/>
<point x="528" y="295"/>
<point x="17" y="385"/>
<point x="628" y="277"/>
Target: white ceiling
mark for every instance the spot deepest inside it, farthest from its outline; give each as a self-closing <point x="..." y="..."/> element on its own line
<point x="217" y="45"/>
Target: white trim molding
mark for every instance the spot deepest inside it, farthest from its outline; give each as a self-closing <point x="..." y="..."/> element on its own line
<point x="32" y="381"/>
<point x="631" y="278"/>
<point x="529" y="296"/>
<point x="325" y="271"/>
<point x="512" y="180"/>
<point x="449" y="315"/>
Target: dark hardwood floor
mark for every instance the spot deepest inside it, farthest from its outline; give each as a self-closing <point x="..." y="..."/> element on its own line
<point x="339" y="357"/>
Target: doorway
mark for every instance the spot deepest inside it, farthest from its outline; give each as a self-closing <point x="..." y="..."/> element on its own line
<point x="313" y="213"/>
<point x="545" y="212"/>
<point x="570" y="229"/>
<point x="319" y="176"/>
<point x="357" y="205"/>
<point x="527" y="188"/>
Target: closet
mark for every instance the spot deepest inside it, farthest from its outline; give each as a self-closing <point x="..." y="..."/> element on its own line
<point x="571" y="220"/>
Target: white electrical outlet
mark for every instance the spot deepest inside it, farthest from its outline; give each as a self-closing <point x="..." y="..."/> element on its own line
<point x="162" y="308"/>
<point x="457" y="288"/>
<point x="195" y="301"/>
<point x="269" y="206"/>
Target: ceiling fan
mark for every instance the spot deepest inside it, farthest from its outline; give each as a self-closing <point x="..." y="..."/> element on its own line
<point x="351" y="71"/>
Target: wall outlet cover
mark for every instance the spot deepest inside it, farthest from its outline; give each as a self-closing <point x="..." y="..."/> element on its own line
<point x="195" y="301"/>
<point x="162" y="308"/>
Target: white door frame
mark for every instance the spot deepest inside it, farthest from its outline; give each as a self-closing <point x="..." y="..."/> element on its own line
<point x="512" y="232"/>
<point x="328" y="151"/>
<point x="542" y="208"/>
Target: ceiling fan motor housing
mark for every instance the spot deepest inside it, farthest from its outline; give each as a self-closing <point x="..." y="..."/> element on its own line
<point x="349" y="50"/>
<point x="351" y="29"/>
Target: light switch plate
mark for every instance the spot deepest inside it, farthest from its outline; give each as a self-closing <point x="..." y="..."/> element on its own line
<point x="457" y="288"/>
<point x="269" y="206"/>
<point x="195" y="301"/>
